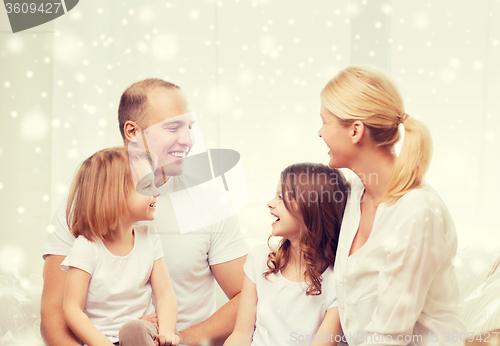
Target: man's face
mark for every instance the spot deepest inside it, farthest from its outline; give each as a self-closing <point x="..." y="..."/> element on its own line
<point x="169" y="133"/>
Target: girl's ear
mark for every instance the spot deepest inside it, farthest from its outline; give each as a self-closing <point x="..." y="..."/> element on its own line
<point x="357" y="131"/>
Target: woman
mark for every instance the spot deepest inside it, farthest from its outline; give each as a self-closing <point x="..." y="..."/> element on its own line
<point x="394" y="272"/>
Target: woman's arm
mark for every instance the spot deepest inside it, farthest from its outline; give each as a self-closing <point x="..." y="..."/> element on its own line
<point x="245" y="319"/>
<point x="329" y="329"/>
<point x="166" y="303"/>
<point x="75" y="293"/>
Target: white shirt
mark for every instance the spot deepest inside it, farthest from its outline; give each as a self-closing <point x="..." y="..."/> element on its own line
<point x="188" y="256"/>
<point x="401" y="283"/>
<point x="119" y="290"/>
<point x="285" y="314"/>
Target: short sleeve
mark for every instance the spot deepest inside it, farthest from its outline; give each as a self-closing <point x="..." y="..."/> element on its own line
<point x="60" y="239"/>
<point x="249" y="267"/>
<point x="156" y="242"/>
<point x="334" y="304"/>
<point x="226" y="241"/>
<point x="328" y="287"/>
<point x="83" y="255"/>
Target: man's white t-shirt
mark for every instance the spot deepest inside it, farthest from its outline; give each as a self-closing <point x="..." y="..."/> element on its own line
<point x="119" y="290"/>
<point x="188" y="256"/>
<point x="285" y="314"/>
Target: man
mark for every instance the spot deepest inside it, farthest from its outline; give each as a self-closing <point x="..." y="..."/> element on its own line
<point x="156" y="113"/>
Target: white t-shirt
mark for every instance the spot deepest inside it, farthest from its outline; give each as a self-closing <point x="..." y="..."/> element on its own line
<point x="188" y="256"/>
<point x="285" y="314"/>
<point x="401" y="282"/>
<point x="119" y="290"/>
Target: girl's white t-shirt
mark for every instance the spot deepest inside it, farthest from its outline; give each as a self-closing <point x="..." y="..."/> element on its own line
<point x="285" y="314"/>
<point x="119" y="290"/>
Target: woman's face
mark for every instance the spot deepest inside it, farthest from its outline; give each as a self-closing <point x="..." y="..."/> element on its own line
<point x="337" y="140"/>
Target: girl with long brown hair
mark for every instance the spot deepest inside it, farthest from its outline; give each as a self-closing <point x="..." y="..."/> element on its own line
<point x="394" y="268"/>
<point x="288" y="294"/>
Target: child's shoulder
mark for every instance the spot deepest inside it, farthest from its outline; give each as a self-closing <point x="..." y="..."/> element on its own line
<point x="259" y="251"/>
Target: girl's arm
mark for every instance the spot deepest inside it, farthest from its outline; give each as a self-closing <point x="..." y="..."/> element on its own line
<point x="245" y="319"/>
<point x="329" y="329"/>
<point x="166" y="304"/>
<point x="75" y="293"/>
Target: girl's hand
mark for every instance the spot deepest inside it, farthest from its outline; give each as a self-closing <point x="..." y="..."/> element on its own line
<point x="168" y="339"/>
<point x="153" y="318"/>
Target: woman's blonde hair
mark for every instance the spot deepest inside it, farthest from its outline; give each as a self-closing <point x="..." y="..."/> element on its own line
<point x="98" y="195"/>
<point x="360" y="93"/>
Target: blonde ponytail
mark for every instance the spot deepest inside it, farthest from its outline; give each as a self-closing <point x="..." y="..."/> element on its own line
<point x="413" y="161"/>
<point x="360" y="93"/>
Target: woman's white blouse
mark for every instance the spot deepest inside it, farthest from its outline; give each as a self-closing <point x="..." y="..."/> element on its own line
<point x="400" y="287"/>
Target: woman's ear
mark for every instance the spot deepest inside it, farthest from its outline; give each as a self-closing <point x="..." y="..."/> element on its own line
<point x="130" y="129"/>
<point x="357" y="131"/>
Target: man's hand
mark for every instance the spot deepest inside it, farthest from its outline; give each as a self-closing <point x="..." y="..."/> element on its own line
<point x="53" y="327"/>
<point x="153" y="318"/>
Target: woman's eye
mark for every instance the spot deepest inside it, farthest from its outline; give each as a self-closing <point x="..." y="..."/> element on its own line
<point x="280" y="197"/>
<point x="147" y="186"/>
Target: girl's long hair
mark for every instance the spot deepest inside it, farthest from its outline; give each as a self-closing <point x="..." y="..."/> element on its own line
<point x="315" y="195"/>
<point x="360" y="93"/>
<point x="98" y="195"/>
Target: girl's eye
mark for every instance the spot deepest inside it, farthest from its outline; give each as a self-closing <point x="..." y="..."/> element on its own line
<point x="280" y="197"/>
<point x="147" y="186"/>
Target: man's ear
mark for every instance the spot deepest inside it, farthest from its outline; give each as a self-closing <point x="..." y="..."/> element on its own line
<point x="357" y="131"/>
<point x="131" y="129"/>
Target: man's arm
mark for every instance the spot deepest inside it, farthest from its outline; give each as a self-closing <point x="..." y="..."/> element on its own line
<point x="53" y="327"/>
<point x="220" y="325"/>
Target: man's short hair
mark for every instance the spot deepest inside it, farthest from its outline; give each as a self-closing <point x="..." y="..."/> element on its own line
<point x="134" y="102"/>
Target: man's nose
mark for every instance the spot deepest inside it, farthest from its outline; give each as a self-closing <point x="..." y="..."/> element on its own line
<point x="186" y="137"/>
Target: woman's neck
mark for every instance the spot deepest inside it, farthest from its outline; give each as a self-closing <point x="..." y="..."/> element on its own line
<point x="374" y="168"/>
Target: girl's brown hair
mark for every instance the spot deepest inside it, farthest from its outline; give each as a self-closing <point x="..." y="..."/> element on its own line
<point x="315" y="195"/>
<point x="98" y="195"/>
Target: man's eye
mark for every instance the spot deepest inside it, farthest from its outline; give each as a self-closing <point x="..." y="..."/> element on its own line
<point x="190" y="127"/>
<point x="173" y="128"/>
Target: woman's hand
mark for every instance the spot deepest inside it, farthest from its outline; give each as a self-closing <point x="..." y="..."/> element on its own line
<point x="167" y="339"/>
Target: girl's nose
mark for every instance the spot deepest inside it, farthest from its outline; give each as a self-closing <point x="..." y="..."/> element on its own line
<point x="155" y="191"/>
